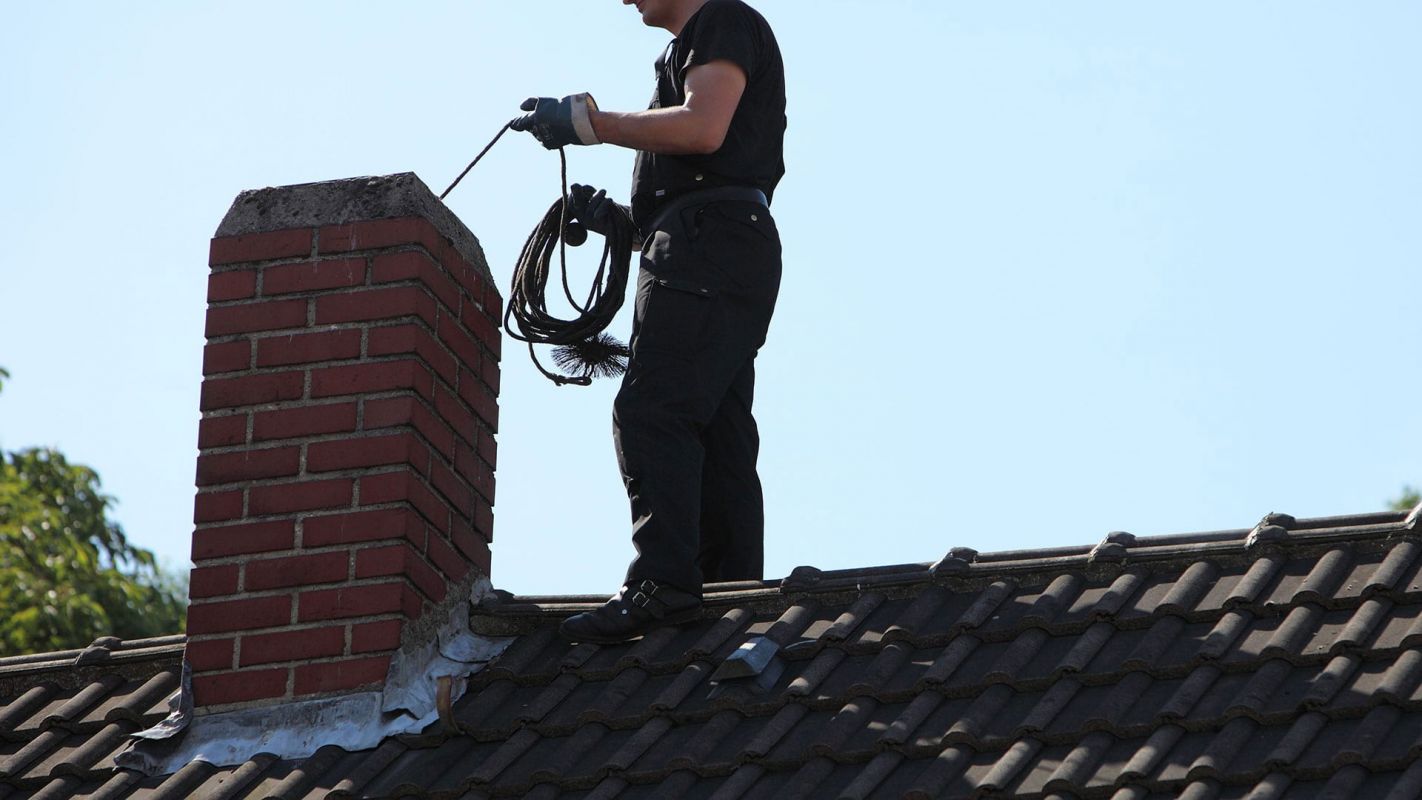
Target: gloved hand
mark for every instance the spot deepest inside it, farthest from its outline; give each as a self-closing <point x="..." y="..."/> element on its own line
<point x="591" y="207"/>
<point x="556" y="123"/>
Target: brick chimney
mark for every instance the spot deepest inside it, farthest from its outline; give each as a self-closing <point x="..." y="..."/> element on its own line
<point x="345" y="476"/>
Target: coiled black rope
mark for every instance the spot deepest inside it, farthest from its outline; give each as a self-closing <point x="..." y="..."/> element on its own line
<point x="581" y="346"/>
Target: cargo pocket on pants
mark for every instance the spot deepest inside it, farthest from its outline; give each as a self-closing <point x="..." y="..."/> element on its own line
<point x="676" y="318"/>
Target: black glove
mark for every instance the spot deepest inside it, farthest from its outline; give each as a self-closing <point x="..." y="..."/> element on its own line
<point x="591" y="207"/>
<point x="556" y="123"/>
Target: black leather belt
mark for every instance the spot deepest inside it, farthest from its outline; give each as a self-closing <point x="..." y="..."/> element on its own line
<point x="701" y="197"/>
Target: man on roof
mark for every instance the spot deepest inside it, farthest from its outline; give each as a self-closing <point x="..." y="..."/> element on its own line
<point x="709" y="156"/>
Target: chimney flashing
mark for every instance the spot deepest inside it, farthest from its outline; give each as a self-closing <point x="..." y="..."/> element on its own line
<point x="407" y="704"/>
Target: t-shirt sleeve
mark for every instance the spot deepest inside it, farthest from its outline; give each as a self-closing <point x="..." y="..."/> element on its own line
<point x="724" y="31"/>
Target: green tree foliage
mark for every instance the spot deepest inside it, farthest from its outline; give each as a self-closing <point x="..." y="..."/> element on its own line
<point x="67" y="573"/>
<point x="1409" y="499"/>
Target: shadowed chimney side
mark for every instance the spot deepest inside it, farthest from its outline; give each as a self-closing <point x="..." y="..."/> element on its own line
<point x="345" y="477"/>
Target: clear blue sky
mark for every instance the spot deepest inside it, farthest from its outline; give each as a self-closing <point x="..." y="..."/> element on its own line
<point x="1052" y="268"/>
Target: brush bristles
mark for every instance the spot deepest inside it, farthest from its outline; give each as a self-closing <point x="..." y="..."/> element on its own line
<point x="599" y="356"/>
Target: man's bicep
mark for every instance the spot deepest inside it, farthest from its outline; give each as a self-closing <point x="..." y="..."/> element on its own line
<point x="713" y="90"/>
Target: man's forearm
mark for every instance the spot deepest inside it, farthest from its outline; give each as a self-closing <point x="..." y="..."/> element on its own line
<point x="670" y="131"/>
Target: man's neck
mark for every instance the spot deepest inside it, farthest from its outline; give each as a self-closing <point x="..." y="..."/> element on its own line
<point x="684" y="14"/>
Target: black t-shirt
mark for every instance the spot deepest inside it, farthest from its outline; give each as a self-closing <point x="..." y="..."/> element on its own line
<point x="753" y="153"/>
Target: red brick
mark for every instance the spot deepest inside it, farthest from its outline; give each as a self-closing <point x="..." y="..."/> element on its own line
<point x="489" y="372"/>
<point x="415" y="265"/>
<point x="302" y="570"/>
<point x="246" y="465"/>
<point x="227" y="357"/>
<point x="362" y="526"/>
<point x="489" y="449"/>
<point x="261" y="246"/>
<point x="266" y="315"/>
<point x="475" y="471"/>
<point x="369" y="451"/>
<point x="237" y="284"/>
<point x="444" y="558"/>
<point x="353" y="601"/>
<point x="401" y="411"/>
<point x="479" y="398"/>
<point x="209" y="654"/>
<point x="236" y="540"/>
<point x="493" y="306"/>
<point x="380" y="562"/>
<point x="410" y="338"/>
<point x="452" y="487"/>
<point x="457" y="339"/>
<point x="483" y="330"/>
<point x="313" y="276"/>
<point x="305" y="348"/>
<point x="372" y="234"/>
<point x="392" y="487"/>
<point x="296" y="645"/>
<point x="368" y="637"/>
<point x="239" y="615"/>
<point x="375" y="304"/>
<point x="472" y="545"/>
<point x="331" y="676"/>
<point x="239" y="687"/>
<point x="251" y="390"/>
<point x="471" y="279"/>
<point x="222" y="431"/>
<point x="401" y="560"/>
<point x="484" y="521"/>
<point x="213" y="581"/>
<point x="217" y="506"/>
<point x="457" y="415"/>
<point x="314" y="420"/>
<point x="380" y="376"/>
<point x="280" y="498"/>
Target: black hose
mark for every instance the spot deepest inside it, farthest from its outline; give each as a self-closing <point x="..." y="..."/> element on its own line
<point x="582" y="347"/>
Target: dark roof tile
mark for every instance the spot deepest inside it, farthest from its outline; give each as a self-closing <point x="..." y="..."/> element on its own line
<point x="1149" y="668"/>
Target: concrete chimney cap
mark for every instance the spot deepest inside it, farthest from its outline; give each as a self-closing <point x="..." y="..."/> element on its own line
<point x="349" y="200"/>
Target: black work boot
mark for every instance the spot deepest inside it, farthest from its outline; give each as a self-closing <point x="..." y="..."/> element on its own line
<point x="633" y="612"/>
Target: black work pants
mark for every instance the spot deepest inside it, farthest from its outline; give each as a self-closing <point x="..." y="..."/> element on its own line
<point x="686" y="439"/>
